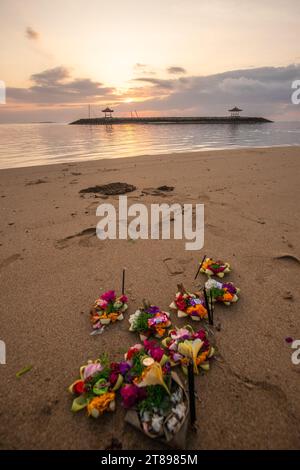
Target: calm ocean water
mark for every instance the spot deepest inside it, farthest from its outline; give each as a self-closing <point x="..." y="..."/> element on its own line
<point x="41" y="144"/>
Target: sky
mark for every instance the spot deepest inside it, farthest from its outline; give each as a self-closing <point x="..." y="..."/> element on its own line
<point x="170" y="57"/>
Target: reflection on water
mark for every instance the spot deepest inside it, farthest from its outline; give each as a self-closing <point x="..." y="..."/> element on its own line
<point x="39" y="144"/>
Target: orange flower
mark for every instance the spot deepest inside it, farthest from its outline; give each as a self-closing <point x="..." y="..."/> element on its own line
<point x="160" y="331"/>
<point x="197" y="309"/>
<point x="100" y="403"/>
<point x="202" y="357"/>
<point x="227" y="297"/>
<point x="113" y="316"/>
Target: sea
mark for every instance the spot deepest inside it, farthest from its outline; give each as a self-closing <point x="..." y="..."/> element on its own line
<point x="23" y="145"/>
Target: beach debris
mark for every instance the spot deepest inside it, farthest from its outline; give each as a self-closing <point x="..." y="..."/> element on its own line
<point x="184" y="345"/>
<point x="225" y="293"/>
<point x="110" y="189"/>
<point x="189" y="304"/>
<point x="166" y="188"/>
<point x="158" y="191"/>
<point x="289" y="340"/>
<point x="96" y="388"/>
<point x="211" y="267"/>
<point x="108" y="308"/>
<point x="149" y="320"/>
<point x="24" y="371"/>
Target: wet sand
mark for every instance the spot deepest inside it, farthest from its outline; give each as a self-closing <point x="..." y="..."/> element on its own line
<point x="52" y="267"/>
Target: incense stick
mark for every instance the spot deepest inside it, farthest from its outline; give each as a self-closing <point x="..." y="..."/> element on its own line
<point x="192" y="392"/>
<point x="207" y="307"/>
<point x="200" y="266"/>
<point x="211" y="306"/>
<point x="123" y="282"/>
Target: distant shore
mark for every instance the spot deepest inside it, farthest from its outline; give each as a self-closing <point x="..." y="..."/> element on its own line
<point x="53" y="267"/>
<point x="171" y="120"/>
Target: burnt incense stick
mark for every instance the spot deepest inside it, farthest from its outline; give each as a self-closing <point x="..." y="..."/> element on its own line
<point x="200" y="266"/>
<point x="207" y="307"/>
<point x="212" y="308"/>
<point x="192" y="392"/>
<point x="123" y="282"/>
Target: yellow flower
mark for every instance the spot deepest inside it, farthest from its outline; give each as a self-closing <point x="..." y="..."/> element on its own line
<point x="153" y="375"/>
<point x="191" y="349"/>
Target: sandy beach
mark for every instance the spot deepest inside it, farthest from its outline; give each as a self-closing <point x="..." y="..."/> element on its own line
<point x="52" y="269"/>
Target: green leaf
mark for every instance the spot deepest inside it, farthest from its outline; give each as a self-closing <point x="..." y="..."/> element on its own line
<point x="79" y="403"/>
<point x="24" y="371"/>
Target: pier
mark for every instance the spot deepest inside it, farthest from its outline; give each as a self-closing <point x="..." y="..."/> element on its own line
<point x="171" y="120"/>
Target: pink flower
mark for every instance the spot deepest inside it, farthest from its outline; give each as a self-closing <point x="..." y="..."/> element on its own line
<point x="102" y="303"/>
<point x="155" y="351"/>
<point x="124" y="299"/>
<point x="109" y="296"/>
<point x="91" y="369"/>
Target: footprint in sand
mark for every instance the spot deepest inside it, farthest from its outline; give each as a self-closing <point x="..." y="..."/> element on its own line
<point x="11" y="259"/>
<point x="174" y="267"/>
<point x="287" y="257"/>
<point x="39" y="181"/>
<point x="85" y="237"/>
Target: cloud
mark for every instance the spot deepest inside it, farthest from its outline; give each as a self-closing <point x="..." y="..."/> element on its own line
<point x="143" y="69"/>
<point x="176" y="70"/>
<point x="31" y="34"/>
<point x="260" y="91"/>
<point x="50" y="76"/>
<point x="264" y="91"/>
<point x="55" y="86"/>
<point x="158" y="82"/>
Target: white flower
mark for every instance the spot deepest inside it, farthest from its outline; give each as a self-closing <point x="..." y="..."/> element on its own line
<point x="157" y="422"/>
<point x="179" y="411"/>
<point x="172" y="423"/>
<point x="132" y="320"/>
<point x="213" y="283"/>
<point x="177" y="396"/>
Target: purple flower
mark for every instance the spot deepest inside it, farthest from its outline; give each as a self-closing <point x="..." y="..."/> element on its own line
<point x="167" y="368"/>
<point x="124" y="367"/>
<point x="230" y="287"/>
<point x="109" y="296"/>
<point x="153" y="310"/>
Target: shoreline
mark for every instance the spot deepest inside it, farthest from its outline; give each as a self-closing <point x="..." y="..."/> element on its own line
<point x="52" y="269"/>
<point x="188" y="153"/>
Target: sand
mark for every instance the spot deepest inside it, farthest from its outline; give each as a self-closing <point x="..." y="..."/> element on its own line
<point x="50" y="275"/>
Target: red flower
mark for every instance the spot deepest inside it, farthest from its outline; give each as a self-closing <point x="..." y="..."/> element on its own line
<point x="180" y="305"/>
<point x="79" y="387"/>
<point x="131" y="353"/>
